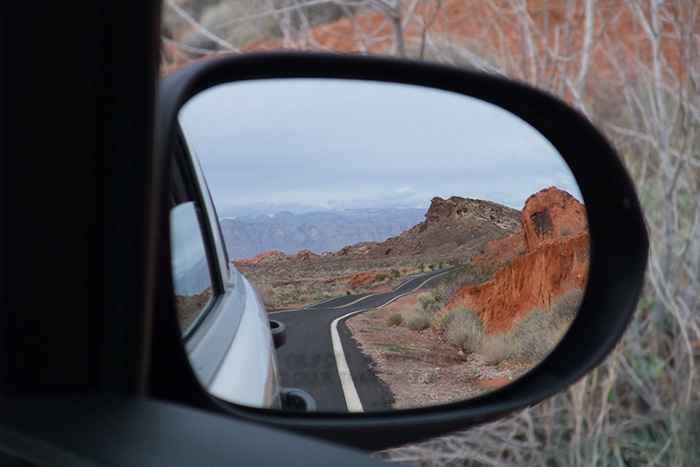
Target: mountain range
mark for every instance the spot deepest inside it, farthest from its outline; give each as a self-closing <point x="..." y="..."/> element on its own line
<point x="317" y="232"/>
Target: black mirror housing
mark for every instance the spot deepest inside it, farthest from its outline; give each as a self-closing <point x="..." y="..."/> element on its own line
<point x="619" y="240"/>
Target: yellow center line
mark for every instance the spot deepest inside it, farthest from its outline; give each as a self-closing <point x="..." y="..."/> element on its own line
<point x="427" y="280"/>
<point x="333" y="308"/>
<point x="362" y="298"/>
<point x="356" y="301"/>
<point x="283" y="311"/>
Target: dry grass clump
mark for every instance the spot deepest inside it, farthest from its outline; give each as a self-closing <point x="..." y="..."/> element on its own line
<point x="418" y="323"/>
<point x="420" y="318"/>
<point x="531" y="337"/>
<point x="463" y="302"/>
<point x="276" y="296"/>
<point x="463" y="328"/>
<point x="530" y="340"/>
<point x="429" y="303"/>
<point x="394" y="319"/>
<point x="464" y="275"/>
<point x="496" y="348"/>
<point x="564" y="311"/>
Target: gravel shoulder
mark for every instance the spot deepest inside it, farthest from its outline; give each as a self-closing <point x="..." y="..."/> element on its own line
<point x="423" y="368"/>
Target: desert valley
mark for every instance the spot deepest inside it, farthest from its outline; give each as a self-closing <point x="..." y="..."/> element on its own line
<point x="512" y="284"/>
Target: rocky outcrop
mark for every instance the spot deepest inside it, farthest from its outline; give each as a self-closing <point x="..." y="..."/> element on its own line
<point x="555" y="236"/>
<point x="470" y="210"/>
<point x="275" y="256"/>
<point x="362" y="280"/>
<point x="455" y="225"/>
<point x="502" y="251"/>
<point x="550" y="215"/>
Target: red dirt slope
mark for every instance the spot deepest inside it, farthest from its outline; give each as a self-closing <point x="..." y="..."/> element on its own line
<point x="556" y="262"/>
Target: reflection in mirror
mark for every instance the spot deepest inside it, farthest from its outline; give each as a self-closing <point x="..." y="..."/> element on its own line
<point x="191" y="276"/>
<point x="420" y="246"/>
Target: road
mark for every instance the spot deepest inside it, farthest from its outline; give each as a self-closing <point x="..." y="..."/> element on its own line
<point x="337" y="376"/>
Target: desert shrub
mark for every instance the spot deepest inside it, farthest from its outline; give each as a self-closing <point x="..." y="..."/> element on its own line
<point x="418" y="319"/>
<point x="277" y="295"/>
<point x="471" y="274"/>
<point x="535" y="322"/>
<point x="532" y="347"/>
<point x="444" y="292"/>
<point x="497" y="347"/>
<point x="394" y="319"/>
<point x="266" y="294"/>
<point x="462" y="327"/>
<point x="464" y="275"/>
<point x="418" y="323"/>
<point x="428" y="302"/>
<point x="445" y="321"/>
<point x="380" y="277"/>
<point x="536" y="335"/>
<point x="438" y="317"/>
<point x="564" y="311"/>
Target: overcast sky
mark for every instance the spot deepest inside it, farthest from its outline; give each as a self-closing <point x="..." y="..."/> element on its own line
<point x="303" y="145"/>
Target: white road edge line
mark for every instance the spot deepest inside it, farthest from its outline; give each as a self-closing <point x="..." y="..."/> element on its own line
<point x="352" y="399"/>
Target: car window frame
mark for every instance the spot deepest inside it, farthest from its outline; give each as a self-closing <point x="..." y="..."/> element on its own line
<point x="184" y="188"/>
<point x="207" y="340"/>
<point x="210" y="300"/>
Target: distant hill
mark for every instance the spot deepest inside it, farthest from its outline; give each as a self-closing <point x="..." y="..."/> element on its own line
<point x="318" y="232"/>
<point x="451" y="227"/>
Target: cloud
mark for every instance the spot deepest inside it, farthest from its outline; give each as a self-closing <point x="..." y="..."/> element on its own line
<point x="278" y="145"/>
<point x="264" y="208"/>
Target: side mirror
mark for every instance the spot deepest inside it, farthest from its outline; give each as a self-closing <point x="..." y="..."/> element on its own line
<point x="616" y="250"/>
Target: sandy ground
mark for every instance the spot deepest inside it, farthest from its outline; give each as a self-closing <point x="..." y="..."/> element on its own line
<point x="422" y="368"/>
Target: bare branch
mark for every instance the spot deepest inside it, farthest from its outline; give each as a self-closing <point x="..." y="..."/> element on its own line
<point x="198" y="27"/>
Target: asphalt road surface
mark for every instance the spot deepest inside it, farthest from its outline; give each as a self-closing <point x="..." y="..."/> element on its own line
<point x="338" y="376"/>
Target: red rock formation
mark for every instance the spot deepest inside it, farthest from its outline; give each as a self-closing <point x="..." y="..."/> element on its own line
<point x="502" y="251"/>
<point x="303" y="256"/>
<point x="259" y="257"/>
<point x="362" y="280"/>
<point x="555" y="234"/>
<point x="549" y="215"/>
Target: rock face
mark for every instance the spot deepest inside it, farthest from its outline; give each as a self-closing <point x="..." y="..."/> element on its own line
<point x="453" y="225"/>
<point x="502" y="251"/>
<point x="555" y="235"/>
<point x="362" y="280"/>
<point x="549" y="215"/>
<point x="304" y="256"/>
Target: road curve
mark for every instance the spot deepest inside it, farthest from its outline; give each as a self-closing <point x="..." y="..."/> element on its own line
<point x="310" y="361"/>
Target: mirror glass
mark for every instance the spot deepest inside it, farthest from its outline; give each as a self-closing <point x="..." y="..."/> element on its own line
<point x="420" y="246"/>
